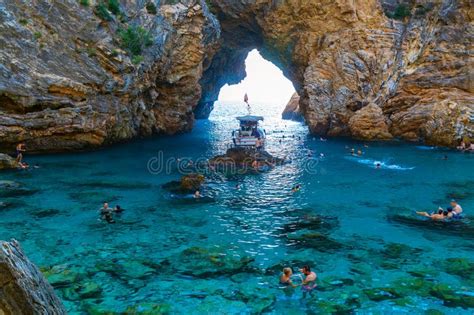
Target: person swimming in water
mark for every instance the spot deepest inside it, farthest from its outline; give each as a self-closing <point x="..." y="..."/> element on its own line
<point x="457" y="209"/>
<point x="106" y="213"/>
<point x="440" y="215"/>
<point x="197" y="194"/>
<point x="118" y="209"/>
<point x="309" y="281"/>
<point x="285" y="278"/>
<point x="378" y="165"/>
<point x="296" y="188"/>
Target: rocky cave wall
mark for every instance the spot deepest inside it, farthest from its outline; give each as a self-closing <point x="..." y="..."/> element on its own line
<point x="70" y="81"/>
<point x="368" y="69"/>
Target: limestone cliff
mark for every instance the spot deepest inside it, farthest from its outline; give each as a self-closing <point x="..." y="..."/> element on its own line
<point x="292" y="109"/>
<point x="76" y="76"/>
<point x="23" y="289"/>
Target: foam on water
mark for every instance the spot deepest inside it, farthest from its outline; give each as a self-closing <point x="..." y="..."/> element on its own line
<point x="226" y="255"/>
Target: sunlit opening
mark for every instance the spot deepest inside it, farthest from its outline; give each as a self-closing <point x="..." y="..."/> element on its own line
<point x="265" y="83"/>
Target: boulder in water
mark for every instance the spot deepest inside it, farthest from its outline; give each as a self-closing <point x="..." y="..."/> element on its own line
<point x="242" y="160"/>
<point x="7" y="162"/>
<point x="187" y="185"/>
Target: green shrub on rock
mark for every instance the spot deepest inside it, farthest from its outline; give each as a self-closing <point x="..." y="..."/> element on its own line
<point x="134" y="39"/>
<point x="102" y="12"/>
<point x="84" y="3"/>
<point x="114" y="6"/>
<point x="151" y="8"/>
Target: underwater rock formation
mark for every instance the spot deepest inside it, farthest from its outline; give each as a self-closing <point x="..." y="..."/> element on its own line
<point x="75" y="77"/>
<point x="23" y="289"/>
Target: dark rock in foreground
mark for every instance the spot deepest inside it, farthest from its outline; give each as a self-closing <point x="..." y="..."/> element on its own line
<point x="23" y="289"/>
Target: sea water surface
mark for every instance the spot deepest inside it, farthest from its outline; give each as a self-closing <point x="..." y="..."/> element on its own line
<point x="224" y="255"/>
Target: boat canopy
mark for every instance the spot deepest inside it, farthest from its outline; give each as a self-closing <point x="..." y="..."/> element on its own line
<point x="249" y="118"/>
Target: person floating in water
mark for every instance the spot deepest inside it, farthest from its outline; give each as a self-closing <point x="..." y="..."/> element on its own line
<point x="296" y="188"/>
<point x="118" y="209"/>
<point x="359" y="152"/>
<point x="437" y="216"/>
<point x="106" y="213"/>
<point x="197" y="194"/>
<point x="378" y="165"/>
<point x="285" y="278"/>
<point x="309" y="281"/>
<point x="353" y="152"/>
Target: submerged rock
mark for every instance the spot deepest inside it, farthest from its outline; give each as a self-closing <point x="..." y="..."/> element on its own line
<point x="208" y="262"/>
<point x="23" y="289"/>
<point x="318" y="241"/>
<point x="451" y="297"/>
<point x="462" y="267"/>
<point x="462" y="228"/>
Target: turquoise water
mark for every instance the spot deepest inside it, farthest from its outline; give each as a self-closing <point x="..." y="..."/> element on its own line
<point x="224" y="257"/>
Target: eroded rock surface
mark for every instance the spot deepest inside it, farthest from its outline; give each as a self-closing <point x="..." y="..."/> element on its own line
<point x="7" y="162"/>
<point x="292" y="110"/>
<point x="343" y="56"/>
<point x="69" y="81"/>
<point x="23" y="289"/>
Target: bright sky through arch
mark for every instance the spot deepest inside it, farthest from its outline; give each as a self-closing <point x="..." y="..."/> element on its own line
<point x="264" y="83"/>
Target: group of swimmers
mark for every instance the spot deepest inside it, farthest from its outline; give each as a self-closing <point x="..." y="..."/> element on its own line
<point x="107" y="213"/>
<point x="466" y="146"/>
<point x="452" y="212"/>
<point x="308" y="279"/>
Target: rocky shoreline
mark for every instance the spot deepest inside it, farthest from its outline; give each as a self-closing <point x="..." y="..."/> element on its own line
<point x="79" y="82"/>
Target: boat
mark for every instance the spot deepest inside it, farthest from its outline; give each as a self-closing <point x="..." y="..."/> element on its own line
<point x="249" y="135"/>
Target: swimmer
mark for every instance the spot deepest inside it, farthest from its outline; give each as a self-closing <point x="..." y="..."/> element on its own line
<point x="285" y="278"/>
<point x="106" y="213"/>
<point x="457" y="209"/>
<point x="438" y="216"/>
<point x="310" y="153"/>
<point x="353" y="151"/>
<point x="197" y="194"/>
<point x="118" y="209"/>
<point x="321" y="155"/>
<point x="237" y="186"/>
<point x="366" y="145"/>
<point x="309" y="282"/>
<point x="359" y="152"/>
<point x="296" y="188"/>
<point x="378" y="165"/>
<point x="323" y="139"/>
